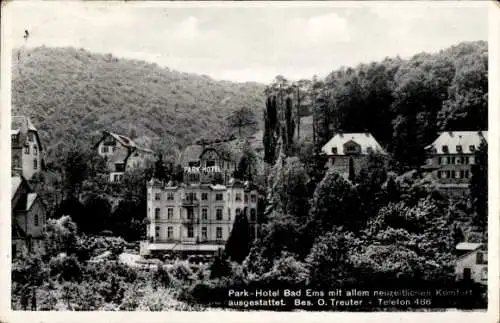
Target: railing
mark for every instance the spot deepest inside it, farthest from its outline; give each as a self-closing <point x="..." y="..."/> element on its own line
<point x="190" y="221"/>
<point x="190" y="202"/>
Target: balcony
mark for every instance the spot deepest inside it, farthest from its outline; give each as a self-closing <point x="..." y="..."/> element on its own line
<point x="188" y="221"/>
<point x="186" y="202"/>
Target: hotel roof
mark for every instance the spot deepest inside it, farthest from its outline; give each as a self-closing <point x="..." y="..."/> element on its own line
<point x="365" y="140"/>
<point x="452" y="139"/>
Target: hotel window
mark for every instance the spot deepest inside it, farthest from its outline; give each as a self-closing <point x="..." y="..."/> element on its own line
<point x="170" y="232"/>
<point x="190" y="231"/>
<point x="246" y="198"/>
<point x="440" y="174"/>
<point x="190" y="214"/>
<point x="157" y="214"/>
<point x="219" y="197"/>
<point x="105" y="149"/>
<point x="157" y="232"/>
<point x="204" y="233"/>
<point x="253" y="198"/>
<point x="27" y="149"/>
<point x="170" y="213"/>
<point x="157" y="196"/>
<point x="35" y="150"/>
<point x="455" y="174"/>
<point x="253" y="215"/>
<point x="466" y="173"/>
<point x="452" y="160"/>
<point x="472" y="148"/>
<point x="445" y="149"/>
<point x="35" y="164"/>
<point x="459" y="149"/>
<point x="170" y="196"/>
<point x="351" y="149"/>
<point x="218" y="214"/>
<point x="204" y="214"/>
<point x="448" y="174"/>
<point x="237" y="197"/>
<point x="218" y="233"/>
<point x="204" y="196"/>
<point x="334" y="150"/>
<point x="30" y="137"/>
<point x="442" y="160"/>
<point x="36" y="220"/>
<point x="229" y="213"/>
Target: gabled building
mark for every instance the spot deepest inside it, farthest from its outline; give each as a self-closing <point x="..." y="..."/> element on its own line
<point x="121" y="154"/>
<point x="222" y="156"/>
<point x="451" y="156"/>
<point x="472" y="262"/>
<point x="28" y="216"/>
<point x="196" y="218"/>
<point x="346" y="148"/>
<point x="26" y="147"/>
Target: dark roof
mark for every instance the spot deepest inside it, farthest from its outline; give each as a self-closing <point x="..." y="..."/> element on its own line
<point x="21" y="126"/>
<point x="124" y="140"/>
<point x="191" y="153"/>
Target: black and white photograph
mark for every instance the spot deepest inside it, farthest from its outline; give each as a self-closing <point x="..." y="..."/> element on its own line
<point x="247" y="156"/>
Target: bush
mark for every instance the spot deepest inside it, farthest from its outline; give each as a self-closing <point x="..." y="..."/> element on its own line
<point x="65" y="268"/>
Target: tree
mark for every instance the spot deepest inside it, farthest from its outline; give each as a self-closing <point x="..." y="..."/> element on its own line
<point x="238" y="244"/>
<point x="334" y="203"/>
<point x="289" y="125"/>
<point x="479" y="185"/>
<point x="270" y="129"/>
<point x="241" y="119"/>
<point x="352" y="174"/>
<point x="328" y="262"/>
<point x="75" y="169"/>
<point x="247" y="168"/>
<point x="160" y="171"/>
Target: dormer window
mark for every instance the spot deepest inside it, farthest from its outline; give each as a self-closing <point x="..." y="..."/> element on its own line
<point x="30" y="137"/>
<point x="445" y="149"/>
<point x="369" y="150"/>
<point x="472" y="148"/>
<point x="334" y="150"/>
<point x="27" y="149"/>
<point x="35" y="150"/>
<point x="459" y="149"/>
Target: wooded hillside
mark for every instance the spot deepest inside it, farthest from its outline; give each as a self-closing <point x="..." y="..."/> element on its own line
<point x="72" y="95"/>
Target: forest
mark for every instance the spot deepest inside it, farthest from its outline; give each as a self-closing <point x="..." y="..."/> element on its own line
<point x="388" y="225"/>
<point x="73" y="95"/>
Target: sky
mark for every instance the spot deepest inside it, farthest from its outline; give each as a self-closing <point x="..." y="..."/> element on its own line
<point x="241" y="41"/>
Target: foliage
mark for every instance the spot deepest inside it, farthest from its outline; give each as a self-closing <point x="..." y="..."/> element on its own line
<point x="239" y="241"/>
<point x="479" y="185"/>
<point x="242" y="119"/>
<point x="92" y="92"/>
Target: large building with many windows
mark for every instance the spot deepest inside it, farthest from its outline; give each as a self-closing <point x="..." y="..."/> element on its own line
<point x="26" y="148"/>
<point x="451" y="156"/>
<point x="196" y="218"/>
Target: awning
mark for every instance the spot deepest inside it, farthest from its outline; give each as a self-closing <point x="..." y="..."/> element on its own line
<point x="184" y="247"/>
